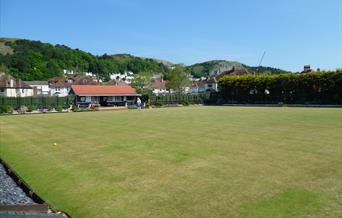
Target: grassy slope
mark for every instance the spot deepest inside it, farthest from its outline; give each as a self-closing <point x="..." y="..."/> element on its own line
<point x="188" y="162"/>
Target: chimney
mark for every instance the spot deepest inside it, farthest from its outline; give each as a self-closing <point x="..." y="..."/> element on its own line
<point x="307" y="68"/>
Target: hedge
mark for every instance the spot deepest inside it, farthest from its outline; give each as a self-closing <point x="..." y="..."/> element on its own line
<point x="37" y="102"/>
<point x="170" y="99"/>
<point x="308" y="88"/>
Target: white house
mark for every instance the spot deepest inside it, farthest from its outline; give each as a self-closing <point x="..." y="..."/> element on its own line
<point x="127" y="76"/>
<point x="207" y="85"/>
<point x="211" y="85"/>
<point x="159" y="87"/>
<point x="40" y="88"/>
<point x="10" y="87"/>
<point x="60" y="86"/>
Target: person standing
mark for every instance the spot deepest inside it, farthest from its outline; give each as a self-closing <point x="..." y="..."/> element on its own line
<point x="139" y="104"/>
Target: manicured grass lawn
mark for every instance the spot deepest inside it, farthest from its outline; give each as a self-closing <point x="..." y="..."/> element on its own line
<point x="182" y="162"/>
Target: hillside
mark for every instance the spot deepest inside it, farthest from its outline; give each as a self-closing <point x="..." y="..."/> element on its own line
<point x="218" y="66"/>
<point x="35" y="60"/>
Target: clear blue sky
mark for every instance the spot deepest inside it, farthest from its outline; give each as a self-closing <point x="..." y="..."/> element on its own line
<point x="293" y="32"/>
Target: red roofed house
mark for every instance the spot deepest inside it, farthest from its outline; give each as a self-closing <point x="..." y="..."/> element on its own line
<point x="104" y="95"/>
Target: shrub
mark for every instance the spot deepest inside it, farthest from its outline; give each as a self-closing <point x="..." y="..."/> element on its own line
<point x="59" y="108"/>
<point x="158" y="104"/>
<point x="23" y="109"/>
<point x="75" y="108"/>
<point x="31" y="108"/>
<point x="148" y="104"/>
<point x="49" y="108"/>
<point x="185" y="103"/>
<point x="6" y="109"/>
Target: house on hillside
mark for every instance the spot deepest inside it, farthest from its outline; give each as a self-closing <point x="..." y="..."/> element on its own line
<point x="202" y="86"/>
<point x="84" y="80"/>
<point x="103" y="95"/>
<point x="127" y="76"/>
<point x="40" y="88"/>
<point x="197" y="87"/>
<point x="211" y="85"/>
<point x="11" y="87"/>
<point x="117" y="82"/>
<point x="159" y="87"/>
<point x="61" y="86"/>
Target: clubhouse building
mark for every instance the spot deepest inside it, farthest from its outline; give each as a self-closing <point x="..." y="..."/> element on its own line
<point x="86" y="95"/>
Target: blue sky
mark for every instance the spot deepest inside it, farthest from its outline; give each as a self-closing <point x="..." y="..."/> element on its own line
<point x="292" y="32"/>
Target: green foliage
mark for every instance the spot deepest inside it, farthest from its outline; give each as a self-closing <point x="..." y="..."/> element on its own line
<point x="313" y="88"/>
<point x="178" y="79"/>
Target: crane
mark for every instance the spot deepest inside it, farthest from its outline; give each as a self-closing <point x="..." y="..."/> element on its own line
<point x="262" y="58"/>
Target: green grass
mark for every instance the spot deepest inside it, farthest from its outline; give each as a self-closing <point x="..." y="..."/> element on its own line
<point x="182" y="162"/>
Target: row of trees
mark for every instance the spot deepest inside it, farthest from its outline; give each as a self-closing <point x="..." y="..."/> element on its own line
<point x="313" y="88"/>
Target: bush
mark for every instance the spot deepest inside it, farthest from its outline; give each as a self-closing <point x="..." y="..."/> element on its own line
<point x="158" y="104"/>
<point x="148" y="104"/>
<point x="185" y="103"/>
<point x="75" y="108"/>
<point x="22" y="109"/>
<point x="59" y="108"/>
<point x="49" y="108"/>
<point x="6" y="109"/>
<point x="31" y="108"/>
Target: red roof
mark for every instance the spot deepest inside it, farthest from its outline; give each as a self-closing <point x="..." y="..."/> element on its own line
<point x="159" y="84"/>
<point x="94" y="90"/>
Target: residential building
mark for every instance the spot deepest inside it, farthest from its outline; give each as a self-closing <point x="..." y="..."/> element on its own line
<point x="198" y="87"/>
<point x="211" y="85"/>
<point x="60" y="86"/>
<point x="117" y="82"/>
<point x="11" y="87"/>
<point x="127" y="76"/>
<point x="40" y="88"/>
<point x="159" y="87"/>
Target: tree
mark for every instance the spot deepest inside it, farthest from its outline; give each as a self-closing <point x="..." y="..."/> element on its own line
<point x="178" y="79"/>
<point x="3" y="69"/>
<point x="142" y="82"/>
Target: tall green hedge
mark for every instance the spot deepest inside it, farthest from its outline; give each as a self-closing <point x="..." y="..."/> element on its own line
<point x="308" y="88"/>
<point x="37" y="102"/>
